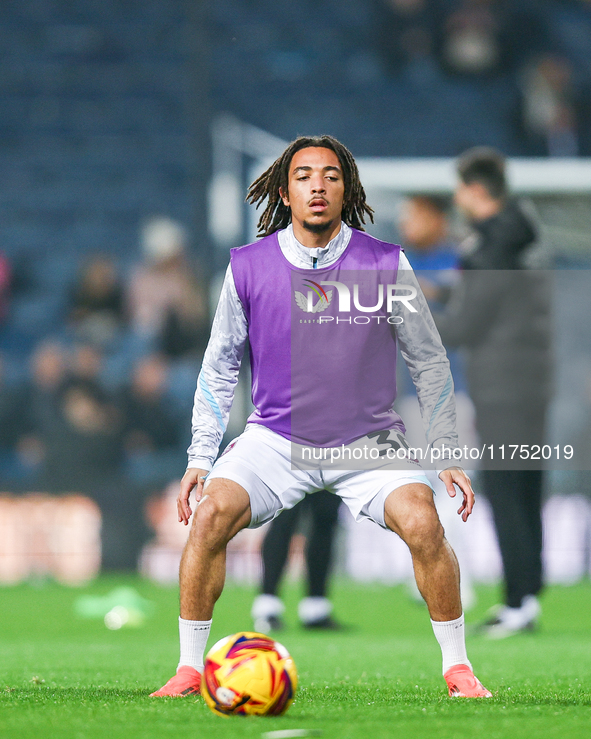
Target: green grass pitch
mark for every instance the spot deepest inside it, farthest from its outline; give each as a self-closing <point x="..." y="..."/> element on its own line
<point x="66" y="677"/>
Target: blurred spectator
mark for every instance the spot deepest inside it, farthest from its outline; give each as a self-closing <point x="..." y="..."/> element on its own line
<point x="40" y="402"/>
<point x="149" y="425"/>
<point x="10" y="412"/>
<point x="86" y="362"/>
<point x="406" y="31"/>
<point x="486" y="37"/>
<point x="548" y="108"/>
<point x="424" y="231"/>
<point x="73" y="437"/>
<point x="5" y="274"/>
<point x="166" y="301"/>
<point x="97" y="305"/>
<point x="48" y="368"/>
<point x="83" y="441"/>
<point x="84" y="453"/>
<point x="472" y="42"/>
<point x="70" y="428"/>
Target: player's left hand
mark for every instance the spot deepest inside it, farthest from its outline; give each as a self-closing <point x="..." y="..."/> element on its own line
<point x="457" y="475"/>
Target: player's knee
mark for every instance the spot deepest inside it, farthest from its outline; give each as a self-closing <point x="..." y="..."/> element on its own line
<point x="422" y="531"/>
<point x="216" y="517"/>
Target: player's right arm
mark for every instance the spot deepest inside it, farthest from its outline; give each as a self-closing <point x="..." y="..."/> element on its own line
<point x="215" y="388"/>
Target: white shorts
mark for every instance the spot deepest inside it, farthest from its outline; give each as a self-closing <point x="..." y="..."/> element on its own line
<point x="260" y="461"/>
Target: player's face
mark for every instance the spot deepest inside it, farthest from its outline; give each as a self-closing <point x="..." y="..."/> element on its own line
<point x="316" y="189"/>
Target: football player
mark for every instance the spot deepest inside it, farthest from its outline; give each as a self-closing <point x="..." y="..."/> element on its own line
<point x="323" y="355"/>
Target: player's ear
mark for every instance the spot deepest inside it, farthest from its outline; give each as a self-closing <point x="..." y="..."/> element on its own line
<point x="284" y="196"/>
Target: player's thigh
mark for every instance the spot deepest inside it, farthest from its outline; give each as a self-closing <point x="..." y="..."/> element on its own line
<point x="365" y="491"/>
<point x="409" y="511"/>
<point x="223" y="510"/>
<point x="260" y="462"/>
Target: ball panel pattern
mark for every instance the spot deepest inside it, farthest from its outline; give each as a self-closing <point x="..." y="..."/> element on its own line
<point x="248" y="674"/>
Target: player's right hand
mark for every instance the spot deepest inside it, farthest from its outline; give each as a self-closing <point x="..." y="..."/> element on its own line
<point x="193" y="479"/>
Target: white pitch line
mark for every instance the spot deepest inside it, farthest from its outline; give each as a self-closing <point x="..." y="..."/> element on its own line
<point x="291" y="733"/>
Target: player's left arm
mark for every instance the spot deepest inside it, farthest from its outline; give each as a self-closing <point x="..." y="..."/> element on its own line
<point x="426" y="358"/>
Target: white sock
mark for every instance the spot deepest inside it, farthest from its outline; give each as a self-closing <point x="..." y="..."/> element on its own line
<point x="193" y="636"/>
<point x="314" y="608"/>
<point x="451" y="638"/>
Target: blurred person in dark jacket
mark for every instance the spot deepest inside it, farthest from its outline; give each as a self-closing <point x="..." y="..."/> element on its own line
<point x="39" y="399"/>
<point x="85" y="454"/>
<point x="84" y="451"/>
<point x="149" y="423"/>
<point x="8" y="410"/>
<point x="86" y="363"/>
<point x="151" y="431"/>
<point x="500" y="313"/>
<point x="71" y="420"/>
<point x="97" y="306"/>
<point x="72" y="437"/>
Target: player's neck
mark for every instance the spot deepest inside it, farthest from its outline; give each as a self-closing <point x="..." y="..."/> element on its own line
<point x="312" y="239"/>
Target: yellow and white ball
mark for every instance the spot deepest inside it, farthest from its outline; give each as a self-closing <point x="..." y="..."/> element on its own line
<point x="249" y="674"/>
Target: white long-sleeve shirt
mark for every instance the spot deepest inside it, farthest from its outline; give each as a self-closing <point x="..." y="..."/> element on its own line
<point x="417" y="335"/>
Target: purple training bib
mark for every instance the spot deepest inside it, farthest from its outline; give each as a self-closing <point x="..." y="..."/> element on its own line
<point x="322" y="341"/>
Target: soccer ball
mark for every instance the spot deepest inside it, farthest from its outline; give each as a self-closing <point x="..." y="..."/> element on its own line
<point x="248" y="674"/>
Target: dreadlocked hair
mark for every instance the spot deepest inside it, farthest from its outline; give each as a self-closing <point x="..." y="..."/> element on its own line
<point x="277" y="215"/>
